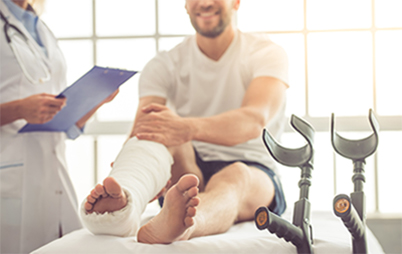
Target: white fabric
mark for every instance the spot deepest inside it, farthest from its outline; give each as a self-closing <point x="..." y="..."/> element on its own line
<point x="37" y="197"/>
<point x="142" y="168"/>
<point x="196" y="86"/>
<point x="330" y="236"/>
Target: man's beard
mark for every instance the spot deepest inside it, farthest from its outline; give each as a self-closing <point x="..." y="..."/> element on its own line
<point x="214" y="32"/>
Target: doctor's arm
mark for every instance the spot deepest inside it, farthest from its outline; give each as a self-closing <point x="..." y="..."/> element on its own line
<point x="35" y="109"/>
<point x="262" y="100"/>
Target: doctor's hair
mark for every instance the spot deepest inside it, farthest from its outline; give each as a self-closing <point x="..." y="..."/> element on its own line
<point x="38" y="5"/>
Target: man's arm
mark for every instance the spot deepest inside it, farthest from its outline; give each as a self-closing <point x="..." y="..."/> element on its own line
<point x="261" y="102"/>
<point x="143" y="102"/>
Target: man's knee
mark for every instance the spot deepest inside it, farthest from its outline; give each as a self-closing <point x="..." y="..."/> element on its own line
<point x="236" y="173"/>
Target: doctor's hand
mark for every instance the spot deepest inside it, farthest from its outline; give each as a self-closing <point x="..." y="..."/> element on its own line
<point x="161" y="125"/>
<point x="80" y="123"/>
<point x="110" y="97"/>
<point x="40" y="108"/>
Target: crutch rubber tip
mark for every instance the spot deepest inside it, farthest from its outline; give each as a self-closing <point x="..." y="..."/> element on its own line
<point x="341" y="204"/>
<point x="261" y="218"/>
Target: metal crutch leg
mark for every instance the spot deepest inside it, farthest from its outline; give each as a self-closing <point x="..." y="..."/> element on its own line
<point x="352" y="210"/>
<point x="300" y="232"/>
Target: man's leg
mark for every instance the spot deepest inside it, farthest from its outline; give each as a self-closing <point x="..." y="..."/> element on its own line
<point x="140" y="171"/>
<point x="185" y="163"/>
<point x="231" y="195"/>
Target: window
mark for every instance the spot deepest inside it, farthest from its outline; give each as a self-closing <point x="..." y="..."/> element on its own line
<point x="344" y="57"/>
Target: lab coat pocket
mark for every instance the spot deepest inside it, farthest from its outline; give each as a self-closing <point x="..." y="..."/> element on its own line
<point x="11" y="177"/>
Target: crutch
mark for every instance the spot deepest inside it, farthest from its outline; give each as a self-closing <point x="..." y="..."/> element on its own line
<point x="300" y="232"/>
<point x="352" y="209"/>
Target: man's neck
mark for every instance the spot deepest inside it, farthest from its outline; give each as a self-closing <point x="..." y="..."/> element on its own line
<point x="214" y="48"/>
<point x="21" y="3"/>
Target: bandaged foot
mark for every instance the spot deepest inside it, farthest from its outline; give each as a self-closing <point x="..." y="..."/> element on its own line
<point x="108" y="197"/>
<point x="139" y="172"/>
<point x="176" y="219"/>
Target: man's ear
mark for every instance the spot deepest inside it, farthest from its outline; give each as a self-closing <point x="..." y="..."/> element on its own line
<point x="185" y="7"/>
<point x="236" y="4"/>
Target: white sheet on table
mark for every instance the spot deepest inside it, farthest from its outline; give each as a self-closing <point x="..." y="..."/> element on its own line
<point x="330" y="236"/>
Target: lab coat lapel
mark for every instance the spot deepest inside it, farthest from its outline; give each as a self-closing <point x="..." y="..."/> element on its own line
<point x="47" y="39"/>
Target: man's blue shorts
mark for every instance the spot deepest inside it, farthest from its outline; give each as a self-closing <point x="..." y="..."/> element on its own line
<point x="209" y="168"/>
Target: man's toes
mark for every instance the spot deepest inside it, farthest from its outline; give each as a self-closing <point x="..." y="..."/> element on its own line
<point x="189" y="221"/>
<point x="191" y="211"/>
<point x="193" y="202"/>
<point x="88" y="206"/>
<point x="91" y="199"/>
<point x="192" y="192"/>
<point x="112" y="187"/>
<point x="100" y="191"/>
<point x="186" y="182"/>
<point x="94" y="194"/>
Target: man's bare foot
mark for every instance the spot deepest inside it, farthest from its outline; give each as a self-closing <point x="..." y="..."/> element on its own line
<point x="175" y="220"/>
<point x="108" y="197"/>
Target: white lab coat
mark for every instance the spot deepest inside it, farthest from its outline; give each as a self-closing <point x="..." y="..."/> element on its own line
<point x="38" y="202"/>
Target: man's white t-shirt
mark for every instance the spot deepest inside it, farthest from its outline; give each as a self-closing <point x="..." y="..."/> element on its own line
<point x="197" y="86"/>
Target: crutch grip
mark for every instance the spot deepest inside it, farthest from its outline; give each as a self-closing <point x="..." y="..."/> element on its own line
<point x="264" y="219"/>
<point x="344" y="209"/>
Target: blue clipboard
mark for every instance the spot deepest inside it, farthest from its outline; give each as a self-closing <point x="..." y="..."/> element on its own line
<point x="82" y="96"/>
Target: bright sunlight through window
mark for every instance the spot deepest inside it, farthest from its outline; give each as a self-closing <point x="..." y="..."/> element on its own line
<point x="344" y="58"/>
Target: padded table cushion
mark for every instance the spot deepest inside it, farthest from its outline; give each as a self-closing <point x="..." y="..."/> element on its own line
<point x="329" y="233"/>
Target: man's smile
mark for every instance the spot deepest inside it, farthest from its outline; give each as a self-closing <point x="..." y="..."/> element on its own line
<point x="207" y="15"/>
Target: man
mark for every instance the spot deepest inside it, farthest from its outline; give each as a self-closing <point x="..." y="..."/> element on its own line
<point x="207" y="101"/>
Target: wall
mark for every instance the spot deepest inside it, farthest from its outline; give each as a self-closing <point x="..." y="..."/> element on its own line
<point x="388" y="233"/>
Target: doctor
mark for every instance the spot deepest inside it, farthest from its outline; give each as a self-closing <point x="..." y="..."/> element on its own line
<point x="38" y="203"/>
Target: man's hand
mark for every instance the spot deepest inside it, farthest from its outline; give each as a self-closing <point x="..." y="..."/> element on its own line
<point x="40" y="108"/>
<point x="161" y="125"/>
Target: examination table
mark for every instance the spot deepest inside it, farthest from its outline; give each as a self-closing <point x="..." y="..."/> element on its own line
<point x="329" y="234"/>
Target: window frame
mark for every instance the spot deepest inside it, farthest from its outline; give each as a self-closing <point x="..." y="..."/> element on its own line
<point x="321" y="124"/>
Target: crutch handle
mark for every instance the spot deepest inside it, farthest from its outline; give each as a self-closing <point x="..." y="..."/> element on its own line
<point x="344" y="209"/>
<point x="264" y="219"/>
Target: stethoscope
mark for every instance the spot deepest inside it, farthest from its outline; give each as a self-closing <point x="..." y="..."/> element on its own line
<point x="31" y="47"/>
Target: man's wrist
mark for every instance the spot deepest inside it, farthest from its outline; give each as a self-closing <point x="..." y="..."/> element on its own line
<point x="194" y="129"/>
